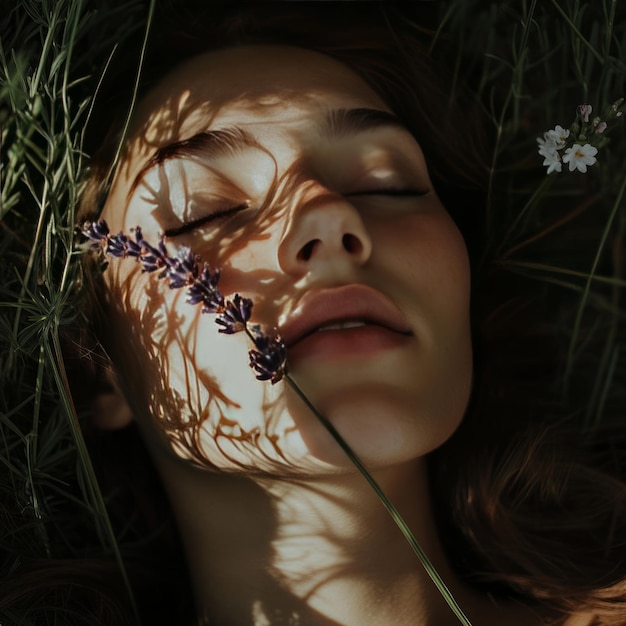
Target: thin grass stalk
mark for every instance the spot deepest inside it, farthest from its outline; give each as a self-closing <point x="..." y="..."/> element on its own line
<point x="581" y="208"/>
<point x="542" y="267"/>
<point x="133" y="100"/>
<point x="31" y="453"/>
<point x="93" y="100"/>
<point x="34" y="85"/>
<point x="609" y="30"/>
<point x="602" y="385"/>
<point x="517" y="72"/>
<point x="533" y="201"/>
<point x="577" y="32"/>
<point x="53" y="350"/>
<point x="583" y="301"/>
<point x="610" y="352"/>
<point x="28" y="271"/>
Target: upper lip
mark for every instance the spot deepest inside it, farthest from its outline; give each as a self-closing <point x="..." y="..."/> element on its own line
<point x="320" y="307"/>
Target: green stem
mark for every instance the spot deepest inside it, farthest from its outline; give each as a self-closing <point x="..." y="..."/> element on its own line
<point x="591" y="277"/>
<point x="545" y="186"/>
<point x="577" y="32"/>
<point x="391" y="509"/>
<point x="131" y="108"/>
<point x="55" y="358"/>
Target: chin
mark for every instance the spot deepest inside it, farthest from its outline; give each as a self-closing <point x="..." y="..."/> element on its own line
<point x="383" y="425"/>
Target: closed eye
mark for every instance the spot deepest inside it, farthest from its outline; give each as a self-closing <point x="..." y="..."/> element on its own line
<point x="201" y="221"/>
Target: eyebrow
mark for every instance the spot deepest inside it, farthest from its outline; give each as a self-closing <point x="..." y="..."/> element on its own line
<point x="209" y="143"/>
<point x="342" y="122"/>
<point x="233" y="139"/>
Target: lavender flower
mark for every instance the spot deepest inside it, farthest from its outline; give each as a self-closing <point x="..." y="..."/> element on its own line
<point x="152" y="259"/>
<point x="182" y="270"/>
<point x="96" y="232"/>
<point x="269" y="356"/>
<point x="268" y="360"/>
<point x="204" y="290"/>
<point x="235" y="315"/>
<point x="120" y="246"/>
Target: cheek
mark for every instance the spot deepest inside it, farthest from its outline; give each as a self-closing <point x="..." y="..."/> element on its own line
<point x="189" y="386"/>
<point x="426" y="258"/>
<point x="428" y="255"/>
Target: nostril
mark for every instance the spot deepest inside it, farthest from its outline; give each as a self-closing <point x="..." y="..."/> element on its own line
<point x="307" y="250"/>
<point x="351" y="244"/>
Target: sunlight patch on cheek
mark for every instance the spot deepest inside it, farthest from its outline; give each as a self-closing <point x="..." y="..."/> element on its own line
<point x="252" y="254"/>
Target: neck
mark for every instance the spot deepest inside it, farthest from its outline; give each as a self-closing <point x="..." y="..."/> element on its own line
<point x="310" y="552"/>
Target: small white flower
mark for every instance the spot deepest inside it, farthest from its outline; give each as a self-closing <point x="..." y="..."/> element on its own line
<point x="558" y="136"/>
<point x="579" y="157"/>
<point x="553" y="161"/>
<point x="547" y="144"/>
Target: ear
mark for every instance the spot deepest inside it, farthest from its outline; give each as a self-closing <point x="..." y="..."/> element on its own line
<point x="93" y="380"/>
<point x="109" y="406"/>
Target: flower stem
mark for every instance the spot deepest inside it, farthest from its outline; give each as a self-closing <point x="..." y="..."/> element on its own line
<point x="391" y="509"/>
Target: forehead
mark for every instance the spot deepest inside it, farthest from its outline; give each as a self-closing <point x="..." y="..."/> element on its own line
<point x="262" y="88"/>
<point x="265" y="86"/>
<point x="248" y="84"/>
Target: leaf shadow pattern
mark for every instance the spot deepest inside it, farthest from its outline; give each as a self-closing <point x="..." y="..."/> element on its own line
<point x="182" y="420"/>
<point x="196" y="411"/>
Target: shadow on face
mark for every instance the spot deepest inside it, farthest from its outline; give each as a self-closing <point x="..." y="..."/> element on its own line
<point x="281" y="167"/>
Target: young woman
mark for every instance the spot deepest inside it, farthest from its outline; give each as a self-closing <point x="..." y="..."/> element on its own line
<point x="319" y="178"/>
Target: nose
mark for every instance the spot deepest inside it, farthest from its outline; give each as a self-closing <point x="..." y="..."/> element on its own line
<point x="325" y="234"/>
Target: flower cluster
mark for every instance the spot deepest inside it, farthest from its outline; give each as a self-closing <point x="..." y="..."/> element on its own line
<point x="267" y="359"/>
<point x="578" y="145"/>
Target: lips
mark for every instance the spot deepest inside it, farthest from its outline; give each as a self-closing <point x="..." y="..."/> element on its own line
<point x="344" y="318"/>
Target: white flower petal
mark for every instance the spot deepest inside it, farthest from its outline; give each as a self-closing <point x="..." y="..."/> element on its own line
<point x="559" y="136"/>
<point x="579" y="157"/>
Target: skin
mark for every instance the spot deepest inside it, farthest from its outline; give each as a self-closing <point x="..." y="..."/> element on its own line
<point x="298" y="533"/>
<point x="407" y="248"/>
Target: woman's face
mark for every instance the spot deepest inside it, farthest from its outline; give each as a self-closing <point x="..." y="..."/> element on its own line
<point x="337" y="236"/>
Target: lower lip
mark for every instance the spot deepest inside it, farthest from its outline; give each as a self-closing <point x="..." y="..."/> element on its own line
<point x="346" y="343"/>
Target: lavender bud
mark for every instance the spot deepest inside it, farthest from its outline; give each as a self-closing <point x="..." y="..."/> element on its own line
<point x="120" y="246"/>
<point x="96" y="232"/>
<point x="152" y="258"/>
<point x="235" y="315"/>
<point x="584" y="111"/>
<point x="182" y="269"/>
<point x="268" y="360"/>
<point x="204" y="289"/>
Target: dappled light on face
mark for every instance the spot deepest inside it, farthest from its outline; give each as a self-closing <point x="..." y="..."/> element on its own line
<point x="290" y="188"/>
<point x="168" y="120"/>
<point x="164" y="340"/>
